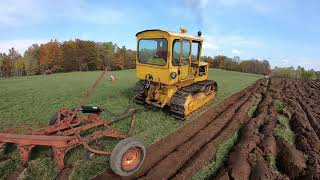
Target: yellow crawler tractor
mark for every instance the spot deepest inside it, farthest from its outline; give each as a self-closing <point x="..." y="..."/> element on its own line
<point x="171" y="72"/>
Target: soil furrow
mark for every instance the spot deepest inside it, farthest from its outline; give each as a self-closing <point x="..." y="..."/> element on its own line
<point x="172" y="163"/>
<point x="238" y="165"/>
<point x="182" y="135"/>
<point x="207" y="152"/>
<point x="264" y="154"/>
<point x="280" y="141"/>
<point x="162" y="148"/>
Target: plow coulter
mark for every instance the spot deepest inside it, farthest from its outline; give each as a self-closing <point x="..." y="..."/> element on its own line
<point x="66" y="132"/>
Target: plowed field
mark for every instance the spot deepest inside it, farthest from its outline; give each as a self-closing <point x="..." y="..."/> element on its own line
<point x="278" y="140"/>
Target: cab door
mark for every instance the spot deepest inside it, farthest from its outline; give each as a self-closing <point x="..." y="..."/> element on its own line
<point x="182" y="59"/>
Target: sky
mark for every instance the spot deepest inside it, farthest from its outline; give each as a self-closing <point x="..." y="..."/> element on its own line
<point x="284" y="32"/>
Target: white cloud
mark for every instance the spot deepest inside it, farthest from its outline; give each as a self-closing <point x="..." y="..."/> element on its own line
<point x="20" y="45"/>
<point x="236" y="52"/>
<point x="210" y="44"/>
<point x="16" y="12"/>
<point x="241" y="41"/>
<point x="284" y="60"/>
<point x="84" y="11"/>
<point x="306" y="62"/>
<point x="228" y="41"/>
<point x="261" y="6"/>
<point x="30" y="12"/>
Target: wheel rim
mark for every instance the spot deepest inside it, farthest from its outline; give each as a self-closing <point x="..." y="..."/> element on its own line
<point x="131" y="159"/>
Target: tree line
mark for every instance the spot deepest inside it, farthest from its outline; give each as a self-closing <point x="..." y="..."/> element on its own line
<point x="80" y="55"/>
<point x="296" y="73"/>
<point x="72" y="55"/>
<point x="235" y="64"/>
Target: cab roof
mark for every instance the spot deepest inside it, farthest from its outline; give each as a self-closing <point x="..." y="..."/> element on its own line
<point x="172" y="33"/>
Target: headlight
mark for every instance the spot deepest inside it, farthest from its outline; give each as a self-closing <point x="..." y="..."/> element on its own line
<point x="173" y="75"/>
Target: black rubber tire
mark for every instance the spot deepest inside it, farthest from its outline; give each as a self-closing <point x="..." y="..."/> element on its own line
<point x="120" y="149"/>
<point x="139" y="88"/>
<point x="53" y="119"/>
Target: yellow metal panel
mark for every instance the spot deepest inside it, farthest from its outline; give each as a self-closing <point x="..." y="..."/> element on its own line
<point x="184" y="72"/>
<point x="158" y="73"/>
<point x="171" y="33"/>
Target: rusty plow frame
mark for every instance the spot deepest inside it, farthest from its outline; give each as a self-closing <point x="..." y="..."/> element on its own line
<point x="65" y="133"/>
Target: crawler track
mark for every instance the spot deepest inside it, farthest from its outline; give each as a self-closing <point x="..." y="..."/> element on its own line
<point x="184" y="152"/>
<point x="179" y="98"/>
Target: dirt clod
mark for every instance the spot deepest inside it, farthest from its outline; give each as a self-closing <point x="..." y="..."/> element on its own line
<point x="259" y="153"/>
<point x="290" y="160"/>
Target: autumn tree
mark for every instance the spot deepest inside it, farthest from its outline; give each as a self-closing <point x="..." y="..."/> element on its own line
<point x="31" y="60"/>
<point x="119" y="57"/>
<point x="8" y="64"/>
<point x="20" y="67"/>
<point x="51" y="57"/>
<point x="318" y="75"/>
<point x="291" y="72"/>
<point x="6" y="67"/>
<point x="130" y="59"/>
<point x="69" y="51"/>
<point x="90" y="56"/>
<point x="3" y="56"/>
<point x="83" y="55"/>
<point x="218" y="61"/>
<point x="105" y="54"/>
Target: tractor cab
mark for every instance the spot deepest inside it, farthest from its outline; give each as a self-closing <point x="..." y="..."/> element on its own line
<point x="170" y="57"/>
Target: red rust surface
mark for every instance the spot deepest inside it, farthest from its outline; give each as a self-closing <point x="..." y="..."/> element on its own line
<point x="62" y="136"/>
<point x="131" y="159"/>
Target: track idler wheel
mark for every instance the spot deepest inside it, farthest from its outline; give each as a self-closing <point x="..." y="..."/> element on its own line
<point x="208" y="89"/>
<point x="212" y="88"/>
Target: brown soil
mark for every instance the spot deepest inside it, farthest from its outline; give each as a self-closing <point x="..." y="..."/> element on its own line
<point x="170" y="156"/>
<point x="257" y="149"/>
<point x="259" y="152"/>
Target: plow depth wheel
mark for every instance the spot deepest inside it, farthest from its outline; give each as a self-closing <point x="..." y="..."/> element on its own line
<point x="131" y="159"/>
<point x="127" y="157"/>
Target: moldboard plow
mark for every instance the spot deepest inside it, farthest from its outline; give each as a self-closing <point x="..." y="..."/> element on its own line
<point x="65" y="132"/>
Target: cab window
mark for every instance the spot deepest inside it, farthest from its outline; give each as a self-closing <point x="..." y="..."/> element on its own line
<point x="153" y="51"/>
<point x="186" y="48"/>
<point x="176" y="53"/>
<point x="195" y="51"/>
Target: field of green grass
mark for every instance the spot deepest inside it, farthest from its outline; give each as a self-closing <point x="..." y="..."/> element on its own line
<point x="32" y="100"/>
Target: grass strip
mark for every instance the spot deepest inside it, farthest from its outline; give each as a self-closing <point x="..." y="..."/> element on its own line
<point x="221" y="156"/>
